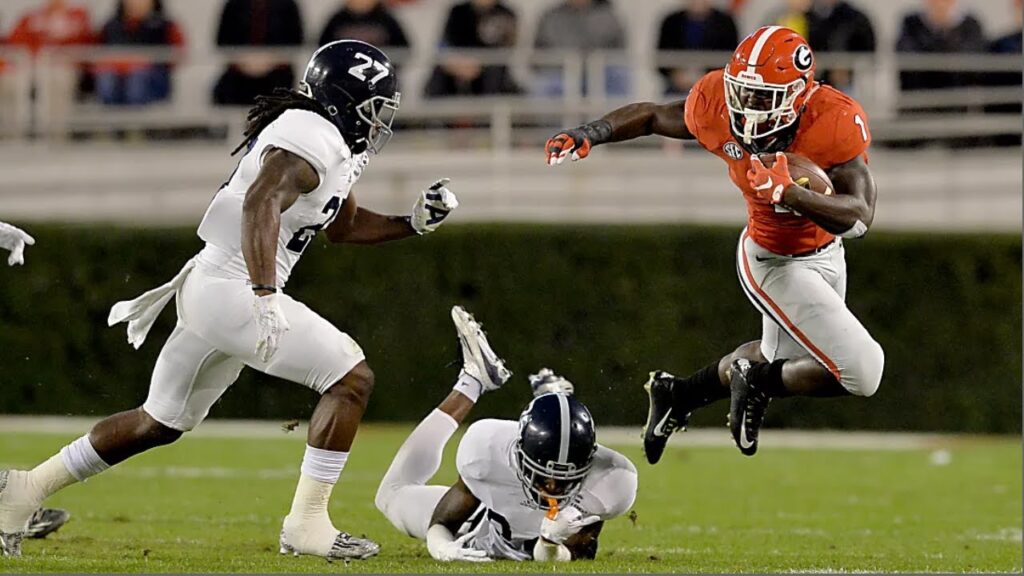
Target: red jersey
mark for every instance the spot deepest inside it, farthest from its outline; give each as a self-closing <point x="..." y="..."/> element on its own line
<point x="833" y="129"/>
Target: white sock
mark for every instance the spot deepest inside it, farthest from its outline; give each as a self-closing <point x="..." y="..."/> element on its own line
<point x="468" y="386"/>
<point x="323" y="465"/>
<point x="80" y="460"/>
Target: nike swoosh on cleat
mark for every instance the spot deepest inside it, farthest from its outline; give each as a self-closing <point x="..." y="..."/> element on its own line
<point x="659" y="428"/>
<point x="744" y="443"/>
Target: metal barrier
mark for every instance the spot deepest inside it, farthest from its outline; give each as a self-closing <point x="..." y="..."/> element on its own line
<point x="496" y="120"/>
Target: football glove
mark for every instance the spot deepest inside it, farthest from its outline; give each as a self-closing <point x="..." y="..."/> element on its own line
<point x="770" y="183"/>
<point x="572" y="142"/>
<point x="444" y="548"/>
<point x="432" y="207"/>
<point x="270" y="325"/>
<point x="568" y="522"/>
<point x="14" y="240"/>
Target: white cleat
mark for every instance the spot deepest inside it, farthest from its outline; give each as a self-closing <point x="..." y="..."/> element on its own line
<point x="345" y="547"/>
<point x="547" y="382"/>
<point x="478" y="358"/>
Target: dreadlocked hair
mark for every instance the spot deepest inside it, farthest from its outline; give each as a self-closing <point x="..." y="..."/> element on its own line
<point x="268" y="108"/>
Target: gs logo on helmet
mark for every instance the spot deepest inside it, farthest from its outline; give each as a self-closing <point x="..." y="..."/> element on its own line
<point x="802" y="58"/>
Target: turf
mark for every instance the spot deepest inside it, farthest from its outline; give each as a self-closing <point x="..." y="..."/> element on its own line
<point x="215" y="505"/>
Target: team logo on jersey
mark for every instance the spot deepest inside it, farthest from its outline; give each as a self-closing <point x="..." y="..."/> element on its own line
<point x="802" y="58"/>
<point x="733" y="150"/>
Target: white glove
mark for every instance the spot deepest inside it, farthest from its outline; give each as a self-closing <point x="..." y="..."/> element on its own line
<point x="432" y="207"/>
<point x="14" y="239"/>
<point x="443" y="548"/>
<point x="270" y="325"/>
<point x="567" y="523"/>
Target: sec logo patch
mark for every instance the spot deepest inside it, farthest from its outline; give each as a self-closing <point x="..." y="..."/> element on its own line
<point x="733" y="150"/>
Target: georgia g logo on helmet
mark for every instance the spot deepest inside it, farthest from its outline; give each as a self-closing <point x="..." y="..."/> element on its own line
<point x="803" y="58"/>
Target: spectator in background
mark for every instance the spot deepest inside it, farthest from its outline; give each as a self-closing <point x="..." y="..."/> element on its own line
<point x="795" y="15"/>
<point x="136" y="80"/>
<point x="366" y="20"/>
<point x="1012" y="42"/>
<point x="699" y="26"/>
<point x="836" y="26"/>
<point x="256" y="23"/>
<point x="56" y="23"/>
<point x="583" y="25"/>
<point x="475" y="24"/>
<point x="1008" y="44"/>
<point x="942" y="27"/>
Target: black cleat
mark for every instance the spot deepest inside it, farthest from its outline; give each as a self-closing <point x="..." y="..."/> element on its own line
<point x="747" y="407"/>
<point x="662" y="420"/>
<point x="46" y="521"/>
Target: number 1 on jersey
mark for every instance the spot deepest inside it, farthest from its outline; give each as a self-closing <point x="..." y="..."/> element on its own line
<point x="863" y="127"/>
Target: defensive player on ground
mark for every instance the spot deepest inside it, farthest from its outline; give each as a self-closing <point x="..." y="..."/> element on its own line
<point x="44" y="521"/>
<point x="303" y="153"/>
<point x="539" y="488"/>
<point x="790" y="258"/>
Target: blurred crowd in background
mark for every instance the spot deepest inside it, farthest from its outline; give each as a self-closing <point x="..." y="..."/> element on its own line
<point x="585" y="25"/>
<point x="580" y="26"/>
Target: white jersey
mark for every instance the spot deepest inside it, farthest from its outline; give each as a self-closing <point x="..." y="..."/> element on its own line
<point x="486" y="463"/>
<point x="317" y="141"/>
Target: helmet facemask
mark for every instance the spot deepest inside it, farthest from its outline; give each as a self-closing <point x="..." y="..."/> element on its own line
<point x="758" y="109"/>
<point x="379" y="113"/>
<point x="550" y="480"/>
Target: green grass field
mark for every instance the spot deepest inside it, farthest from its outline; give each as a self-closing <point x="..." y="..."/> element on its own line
<point x="212" y="504"/>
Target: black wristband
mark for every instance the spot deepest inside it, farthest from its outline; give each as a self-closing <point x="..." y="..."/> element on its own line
<point x="598" y="131"/>
<point x="256" y="287"/>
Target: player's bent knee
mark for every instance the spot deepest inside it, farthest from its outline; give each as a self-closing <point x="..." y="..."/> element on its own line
<point x="863" y="376"/>
<point x="154" y="432"/>
<point x="356" y="386"/>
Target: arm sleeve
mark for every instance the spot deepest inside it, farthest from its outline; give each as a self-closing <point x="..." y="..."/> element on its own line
<point x="612" y="494"/>
<point x="308" y="136"/>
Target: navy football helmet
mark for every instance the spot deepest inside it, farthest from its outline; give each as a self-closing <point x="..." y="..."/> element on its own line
<point x="555" y="448"/>
<point x="355" y="83"/>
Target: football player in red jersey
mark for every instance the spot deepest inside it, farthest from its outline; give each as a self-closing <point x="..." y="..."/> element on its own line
<point x="790" y="258"/>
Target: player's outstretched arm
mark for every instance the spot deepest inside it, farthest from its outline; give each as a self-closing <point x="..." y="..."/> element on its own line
<point x="626" y="123"/>
<point x="849" y="213"/>
<point x="357" y="225"/>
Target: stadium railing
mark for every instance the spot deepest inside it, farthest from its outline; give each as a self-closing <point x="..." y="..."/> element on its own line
<point x="498" y="122"/>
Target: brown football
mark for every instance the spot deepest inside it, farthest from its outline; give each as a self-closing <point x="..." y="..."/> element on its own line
<point x="804" y="172"/>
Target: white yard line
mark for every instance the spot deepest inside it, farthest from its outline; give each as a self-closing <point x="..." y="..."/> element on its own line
<point x="610" y="435"/>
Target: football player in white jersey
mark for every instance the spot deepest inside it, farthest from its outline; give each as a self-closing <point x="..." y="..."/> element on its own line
<point x="540" y="488"/>
<point x="303" y="152"/>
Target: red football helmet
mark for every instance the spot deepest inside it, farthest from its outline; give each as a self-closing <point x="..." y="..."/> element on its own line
<point x="769" y="78"/>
